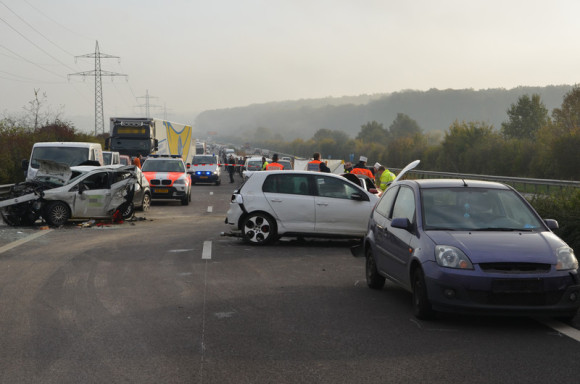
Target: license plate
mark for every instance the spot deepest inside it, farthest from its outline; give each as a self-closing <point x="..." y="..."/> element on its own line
<point x="203" y="177"/>
<point x="517" y="285"/>
<point x="161" y="190"/>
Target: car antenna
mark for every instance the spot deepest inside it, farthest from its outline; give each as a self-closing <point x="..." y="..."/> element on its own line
<point x="464" y="183"/>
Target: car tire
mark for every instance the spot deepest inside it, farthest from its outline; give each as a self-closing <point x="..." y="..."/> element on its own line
<point x="146" y="202"/>
<point x="218" y="182"/>
<point x="127" y="210"/>
<point x="56" y="213"/>
<point x="421" y="306"/>
<point x="374" y="279"/>
<point x="259" y="229"/>
<point x="186" y="199"/>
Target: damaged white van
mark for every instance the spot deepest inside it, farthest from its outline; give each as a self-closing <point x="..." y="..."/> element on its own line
<point x="69" y="153"/>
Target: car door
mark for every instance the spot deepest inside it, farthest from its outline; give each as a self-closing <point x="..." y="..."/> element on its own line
<point x="289" y="197"/>
<point x="93" y="194"/>
<point x="397" y="240"/>
<point x="381" y="217"/>
<point x="336" y="210"/>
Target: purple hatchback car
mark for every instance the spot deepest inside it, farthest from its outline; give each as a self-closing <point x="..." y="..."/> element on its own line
<point x="470" y="246"/>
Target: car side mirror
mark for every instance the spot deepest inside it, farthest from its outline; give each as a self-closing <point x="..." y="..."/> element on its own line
<point x="401" y="222"/>
<point x="24" y="164"/>
<point x="82" y="187"/>
<point x="551" y="223"/>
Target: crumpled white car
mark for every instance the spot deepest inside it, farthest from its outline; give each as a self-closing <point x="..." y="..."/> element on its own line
<point x="60" y="193"/>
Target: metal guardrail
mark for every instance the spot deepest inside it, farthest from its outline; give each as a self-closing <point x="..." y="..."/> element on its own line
<point x="522" y="184"/>
<point x="4" y="189"/>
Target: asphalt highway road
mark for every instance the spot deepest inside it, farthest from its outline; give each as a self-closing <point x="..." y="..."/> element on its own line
<point x="169" y="300"/>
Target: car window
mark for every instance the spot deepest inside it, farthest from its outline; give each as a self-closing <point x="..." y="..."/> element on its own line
<point x="384" y="205"/>
<point x="98" y="180"/>
<point x="405" y="204"/>
<point x="476" y="208"/>
<point x="120" y="176"/>
<point x="286" y="183"/>
<point x="163" y="166"/>
<point x="204" y="160"/>
<point x="334" y="187"/>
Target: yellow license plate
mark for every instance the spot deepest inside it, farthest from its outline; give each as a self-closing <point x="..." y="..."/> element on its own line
<point x="161" y="190"/>
<point x="203" y="177"/>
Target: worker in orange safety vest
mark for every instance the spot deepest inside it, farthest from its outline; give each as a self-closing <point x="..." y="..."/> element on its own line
<point x="316" y="165"/>
<point x="274" y="165"/>
<point x="361" y="168"/>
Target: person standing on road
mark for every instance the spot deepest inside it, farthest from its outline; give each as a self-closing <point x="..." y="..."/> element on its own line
<point x="231" y="166"/>
<point x="385" y="177"/>
<point x="137" y="161"/>
<point x="274" y="165"/>
<point x="264" y="164"/>
<point x="361" y="168"/>
<point x="316" y="165"/>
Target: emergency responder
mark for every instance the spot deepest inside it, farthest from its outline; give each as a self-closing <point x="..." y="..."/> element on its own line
<point x="264" y="163"/>
<point x="385" y="177"/>
<point x="231" y="166"/>
<point x="316" y="165"/>
<point x="137" y="160"/>
<point x="361" y="168"/>
<point x="274" y="165"/>
<point x="347" y="167"/>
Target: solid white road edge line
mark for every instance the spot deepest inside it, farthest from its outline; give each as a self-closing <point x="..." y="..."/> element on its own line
<point x="26" y="239"/>
<point x="562" y="328"/>
<point x="206" y="253"/>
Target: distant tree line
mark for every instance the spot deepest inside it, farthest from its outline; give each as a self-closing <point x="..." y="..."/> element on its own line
<point x="530" y="142"/>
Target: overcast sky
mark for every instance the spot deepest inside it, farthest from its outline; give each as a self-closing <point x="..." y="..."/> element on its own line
<point x="195" y="55"/>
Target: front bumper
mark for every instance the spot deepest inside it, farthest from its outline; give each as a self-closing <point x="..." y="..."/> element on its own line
<point x="554" y="293"/>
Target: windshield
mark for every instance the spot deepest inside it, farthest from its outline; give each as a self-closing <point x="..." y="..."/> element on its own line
<point x="163" y="166"/>
<point x="68" y="155"/>
<point x="204" y="160"/>
<point x="476" y="209"/>
<point x="107" y="157"/>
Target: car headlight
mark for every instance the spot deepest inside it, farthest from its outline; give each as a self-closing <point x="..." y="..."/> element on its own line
<point x="179" y="181"/>
<point x="452" y="257"/>
<point x="566" y="259"/>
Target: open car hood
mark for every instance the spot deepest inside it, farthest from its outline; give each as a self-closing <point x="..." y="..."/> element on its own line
<point x="51" y="170"/>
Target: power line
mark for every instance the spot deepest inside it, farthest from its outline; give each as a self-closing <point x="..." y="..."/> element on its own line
<point x="31" y="62"/>
<point x="56" y="22"/>
<point x="33" y="43"/>
<point x="36" y="30"/>
<point x="98" y="73"/>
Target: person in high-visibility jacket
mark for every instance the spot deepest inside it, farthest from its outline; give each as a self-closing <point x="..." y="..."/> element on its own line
<point x="264" y="163"/>
<point x="385" y="177"/>
<point x="361" y="168"/>
<point x="316" y="165"/>
<point x="274" y="165"/>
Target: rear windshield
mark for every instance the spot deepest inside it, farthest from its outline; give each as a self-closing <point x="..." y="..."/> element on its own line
<point x="204" y="160"/>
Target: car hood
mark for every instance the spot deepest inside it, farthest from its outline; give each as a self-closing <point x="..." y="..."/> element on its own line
<point x="53" y="170"/>
<point x="163" y="175"/>
<point x="493" y="247"/>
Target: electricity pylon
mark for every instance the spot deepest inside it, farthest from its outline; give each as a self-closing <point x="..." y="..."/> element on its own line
<point x="98" y="74"/>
